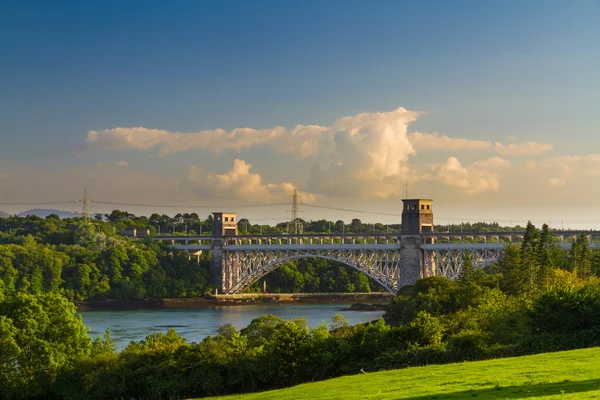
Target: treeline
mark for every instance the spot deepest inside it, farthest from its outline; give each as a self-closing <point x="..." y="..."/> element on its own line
<point x="86" y="264"/>
<point x="193" y="224"/>
<point x="514" y="309"/>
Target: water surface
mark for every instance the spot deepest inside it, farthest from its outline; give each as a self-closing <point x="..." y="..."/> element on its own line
<point x="196" y="324"/>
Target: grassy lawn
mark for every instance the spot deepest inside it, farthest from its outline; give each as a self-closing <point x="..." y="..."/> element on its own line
<point x="564" y="375"/>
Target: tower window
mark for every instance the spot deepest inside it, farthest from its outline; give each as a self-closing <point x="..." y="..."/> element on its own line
<point x="428" y="206"/>
<point x="226" y="219"/>
<point x="422" y="206"/>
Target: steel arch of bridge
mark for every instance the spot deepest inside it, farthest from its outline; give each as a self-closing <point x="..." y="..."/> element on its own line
<point x="449" y="262"/>
<point x="241" y="269"/>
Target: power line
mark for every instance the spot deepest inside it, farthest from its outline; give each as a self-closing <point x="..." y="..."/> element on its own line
<point x="39" y="203"/>
<point x="352" y="210"/>
<point x="113" y="203"/>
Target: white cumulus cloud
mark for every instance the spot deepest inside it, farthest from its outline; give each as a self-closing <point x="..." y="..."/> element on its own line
<point x="432" y="141"/>
<point x="480" y="176"/>
<point x="564" y="168"/>
<point x="240" y="183"/>
<point x="367" y="156"/>
<point x="522" y="149"/>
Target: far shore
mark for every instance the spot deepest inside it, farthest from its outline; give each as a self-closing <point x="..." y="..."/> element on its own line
<point x="359" y="301"/>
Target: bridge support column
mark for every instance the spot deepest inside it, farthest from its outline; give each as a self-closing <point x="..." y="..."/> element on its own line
<point x="410" y="260"/>
<point x="216" y="264"/>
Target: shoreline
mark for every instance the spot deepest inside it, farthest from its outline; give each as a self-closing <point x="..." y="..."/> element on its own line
<point x="376" y="299"/>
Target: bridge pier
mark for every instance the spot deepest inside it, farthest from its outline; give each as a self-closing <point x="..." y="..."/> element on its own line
<point x="417" y="218"/>
<point x="216" y="264"/>
<point x="224" y="224"/>
<point x="411" y="260"/>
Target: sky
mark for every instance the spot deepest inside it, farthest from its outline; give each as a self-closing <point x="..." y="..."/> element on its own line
<point x="490" y="108"/>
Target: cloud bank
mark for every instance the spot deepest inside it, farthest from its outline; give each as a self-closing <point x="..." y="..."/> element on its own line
<point x="366" y="155"/>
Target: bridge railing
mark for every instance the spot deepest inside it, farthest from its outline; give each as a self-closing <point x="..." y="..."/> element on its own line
<point x="562" y="237"/>
<point x="205" y="241"/>
<point x="313" y="239"/>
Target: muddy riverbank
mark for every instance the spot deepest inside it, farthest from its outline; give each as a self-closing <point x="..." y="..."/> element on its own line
<point x="235" y="300"/>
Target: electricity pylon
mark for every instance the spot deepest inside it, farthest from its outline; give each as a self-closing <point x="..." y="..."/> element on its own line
<point x="295" y="224"/>
<point x="85" y="206"/>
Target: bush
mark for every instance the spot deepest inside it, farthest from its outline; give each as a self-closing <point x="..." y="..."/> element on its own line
<point x="426" y="329"/>
<point x="566" y="310"/>
<point x="468" y="345"/>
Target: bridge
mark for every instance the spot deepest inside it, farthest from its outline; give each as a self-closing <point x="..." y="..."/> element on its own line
<point x="392" y="260"/>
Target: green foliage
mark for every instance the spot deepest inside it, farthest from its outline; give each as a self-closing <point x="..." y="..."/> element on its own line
<point x="318" y="275"/>
<point x="468" y="345"/>
<point x="39" y="335"/>
<point x="428" y="330"/>
<point x="100" y="266"/>
<point x="581" y="261"/>
<point x="564" y="311"/>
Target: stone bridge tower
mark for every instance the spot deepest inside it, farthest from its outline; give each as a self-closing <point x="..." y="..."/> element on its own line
<point x="224" y="224"/>
<point x="417" y="218"/>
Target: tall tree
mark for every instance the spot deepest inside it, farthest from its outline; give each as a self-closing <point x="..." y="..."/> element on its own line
<point x="546" y="259"/>
<point x="514" y="278"/>
<point x="581" y="256"/>
<point x="529" y="255"/>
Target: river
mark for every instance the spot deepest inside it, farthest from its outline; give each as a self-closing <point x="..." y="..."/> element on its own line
<point x="196" y="324"/>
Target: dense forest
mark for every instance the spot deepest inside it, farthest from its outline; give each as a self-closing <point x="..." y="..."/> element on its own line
<point x="537" y="298"/>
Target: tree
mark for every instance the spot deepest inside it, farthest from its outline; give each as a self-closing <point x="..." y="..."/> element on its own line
<point x="581" y="256"/>
<point x="529" y="255"/>
<point x="39" y="334"/>
<point x="117" y="215"/>
<point x="243" y="225"/>
<point x="468" y="270"/>
<point x="356" y="225"/>
<point x="427" y="329"/>
<point x="548" y="255"/>
<point x="509" y="265"/>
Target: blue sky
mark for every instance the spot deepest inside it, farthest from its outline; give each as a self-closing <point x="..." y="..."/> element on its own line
<point x="475" y="70"/>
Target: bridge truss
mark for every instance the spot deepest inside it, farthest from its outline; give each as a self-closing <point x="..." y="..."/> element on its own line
<point x="243" y="268"/>
<point x="449" y="261"/>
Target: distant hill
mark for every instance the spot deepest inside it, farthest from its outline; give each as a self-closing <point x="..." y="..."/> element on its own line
<point x="4" y="215"/>
<point x="44" y="212"/>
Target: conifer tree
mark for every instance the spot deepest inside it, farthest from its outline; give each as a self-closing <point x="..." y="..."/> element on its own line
<point x="468" y="270"/>
<point x="581" y="256"/>
<point x="545" y="258"/>
<point x="530" y="257"/>
<point x="509" y="265"/>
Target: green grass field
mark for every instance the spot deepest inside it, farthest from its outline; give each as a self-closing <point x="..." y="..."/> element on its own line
<point x="564" y="375"/>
